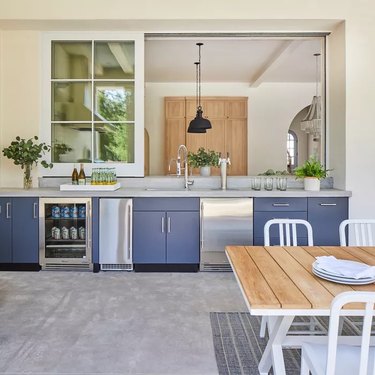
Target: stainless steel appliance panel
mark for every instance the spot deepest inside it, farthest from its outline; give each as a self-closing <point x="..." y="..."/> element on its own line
<point x="224" y="221"/>
<point x="115" y="240"/>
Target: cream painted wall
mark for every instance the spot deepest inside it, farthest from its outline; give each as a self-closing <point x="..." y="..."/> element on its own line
<point x="271" y="110"/>
<point x="355" y="77"/>
<point x="20" y="98"/>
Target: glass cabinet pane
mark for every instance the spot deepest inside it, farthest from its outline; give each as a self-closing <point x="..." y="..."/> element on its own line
<point x="71" y="60"/>
<point x="114" y="101"/>
<point x="114" y="142"/>
<point x="71" y="143"/>
<point x="71" y="101"/>
<point x="114" y="60"/>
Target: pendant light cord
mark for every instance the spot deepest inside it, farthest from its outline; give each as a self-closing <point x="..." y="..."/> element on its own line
<point x="199" y="74"/>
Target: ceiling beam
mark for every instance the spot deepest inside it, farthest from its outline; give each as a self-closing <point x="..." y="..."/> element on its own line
<point x="274" y="61"/>
<point x="121" y="57"/>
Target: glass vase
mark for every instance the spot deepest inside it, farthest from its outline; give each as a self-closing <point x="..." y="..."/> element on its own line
<point x="27" y="179"/>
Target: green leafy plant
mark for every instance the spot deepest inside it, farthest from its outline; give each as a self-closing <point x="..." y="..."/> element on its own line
<point x="26" y="153"/>
<point x="311" y="168"/>
<point x="203" y="158"/>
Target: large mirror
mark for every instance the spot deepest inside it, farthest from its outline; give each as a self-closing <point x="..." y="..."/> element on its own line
<point x="279" y="76"/>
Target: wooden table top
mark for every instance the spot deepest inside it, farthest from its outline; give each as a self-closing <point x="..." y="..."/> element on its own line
<point x="278" y="277"/>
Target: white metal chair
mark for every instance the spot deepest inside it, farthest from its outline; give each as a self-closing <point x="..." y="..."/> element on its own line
<point x="288" y="237"/>
<point x="362" y="233"/>
<point x="333" y="358"/>
<point x="288" y="231"/>
<point x="362" y="229"/>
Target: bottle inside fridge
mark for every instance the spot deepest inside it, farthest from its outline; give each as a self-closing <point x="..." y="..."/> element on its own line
<point x="65" y="235"/>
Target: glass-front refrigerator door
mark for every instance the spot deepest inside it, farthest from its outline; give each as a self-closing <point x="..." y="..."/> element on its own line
<point x="65" y="233"/>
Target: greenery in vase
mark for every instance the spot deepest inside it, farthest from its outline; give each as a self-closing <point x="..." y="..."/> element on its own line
<point x="27" y="152"/>
<point x="311" y="168"/>
<point x="203" y="158"/>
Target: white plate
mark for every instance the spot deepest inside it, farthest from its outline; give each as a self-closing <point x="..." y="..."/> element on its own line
<point x="337" y="276"/>
<point x="345" y="263"/>
<point x="343" y="281"/>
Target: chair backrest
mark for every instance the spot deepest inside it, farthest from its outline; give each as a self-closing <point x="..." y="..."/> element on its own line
<point x="368" y="298"/>
<point x="362" y="229"/>
<point x="288" y="231"/>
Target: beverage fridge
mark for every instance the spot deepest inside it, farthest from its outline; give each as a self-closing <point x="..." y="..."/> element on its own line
<point x="65" y="234"/>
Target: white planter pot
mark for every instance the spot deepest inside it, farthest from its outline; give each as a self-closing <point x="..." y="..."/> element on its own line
<point x="205" y="171"/>
<point x="311" y="183"/>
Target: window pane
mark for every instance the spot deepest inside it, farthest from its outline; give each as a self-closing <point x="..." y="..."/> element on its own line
<point x="71" y="101"/>
<point x="71" y="60"/>
<point x="114" y="142"/>
<point x="114" y="60"/>
<point x="71" y="143"/>
<point x="114" y="101"/>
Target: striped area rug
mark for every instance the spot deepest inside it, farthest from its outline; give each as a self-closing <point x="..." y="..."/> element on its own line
<point x="238" y="347"/>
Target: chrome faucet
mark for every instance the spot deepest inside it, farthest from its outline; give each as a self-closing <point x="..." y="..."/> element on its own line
<point x="183" y="149"/>
<point x="223" y="163"/>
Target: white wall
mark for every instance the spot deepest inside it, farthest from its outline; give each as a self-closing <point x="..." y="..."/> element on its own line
<point x="271" y="110"/>
<point x="20" y="96"/>
<point x="354" y="161"/>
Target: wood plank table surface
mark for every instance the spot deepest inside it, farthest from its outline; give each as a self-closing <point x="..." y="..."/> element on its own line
<point x="277" y="281"/>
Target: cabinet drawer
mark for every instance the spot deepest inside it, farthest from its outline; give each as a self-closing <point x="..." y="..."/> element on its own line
<point x="280" y="204"/>
<point x="260" y="219"/>
<point x="166" y="204"/>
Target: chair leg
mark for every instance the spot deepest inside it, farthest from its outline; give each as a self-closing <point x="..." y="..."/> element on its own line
<point x="341" y="325"/>
<point x="304" y="367"/>
<point x="263" y="326"/>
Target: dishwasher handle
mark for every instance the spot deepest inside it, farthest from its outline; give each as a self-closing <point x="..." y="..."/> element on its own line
<point x="202" y="224"/>
<point x="129" y="229"/>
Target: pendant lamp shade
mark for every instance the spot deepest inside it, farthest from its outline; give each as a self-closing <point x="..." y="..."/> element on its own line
<point x="312" y="123"/>
<point x="199" y="124"/>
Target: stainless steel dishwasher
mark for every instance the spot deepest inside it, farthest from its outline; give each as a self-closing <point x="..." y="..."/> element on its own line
<point x="224" y="221"/>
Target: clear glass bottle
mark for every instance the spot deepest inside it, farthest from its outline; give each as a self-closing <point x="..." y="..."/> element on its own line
<point x="81" y="176"/>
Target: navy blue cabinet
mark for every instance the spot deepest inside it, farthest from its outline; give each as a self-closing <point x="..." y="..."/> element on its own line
<point x="325" y="216"/>
<point x="19" y="220"/>
<point x="165" y="231"/>
<point x="278" y="208"/>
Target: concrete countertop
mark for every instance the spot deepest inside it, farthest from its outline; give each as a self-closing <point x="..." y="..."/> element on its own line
<point x="172" y="186"/>
<point x="171" y="192"/>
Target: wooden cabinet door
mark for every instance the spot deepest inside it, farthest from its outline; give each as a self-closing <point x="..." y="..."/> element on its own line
<point x="236" y="108"/>
<point x="236" y="145"/>
<point x="174" y="130"/>
<point x="213" y="108"/>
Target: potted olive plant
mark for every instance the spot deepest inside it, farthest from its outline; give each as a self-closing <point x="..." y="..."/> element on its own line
<point x="312" y="171"/>
<point x="204" y="160"/>
<point x="26" y="153"/>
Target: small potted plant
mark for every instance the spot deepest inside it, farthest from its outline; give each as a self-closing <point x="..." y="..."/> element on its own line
<point x="26" y="154"/>
<point x="204" y="160"/>
<point x="312" y="171"/>
<point x="59" y="151"/>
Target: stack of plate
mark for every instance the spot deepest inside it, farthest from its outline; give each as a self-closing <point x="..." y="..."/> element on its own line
<point x="339" y="278"/>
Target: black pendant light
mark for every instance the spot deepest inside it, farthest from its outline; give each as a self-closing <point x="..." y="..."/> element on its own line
<point x="199" y="124"/>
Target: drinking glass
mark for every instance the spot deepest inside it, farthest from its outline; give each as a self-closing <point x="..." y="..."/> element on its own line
<point x="256" y="183"/>
<point x="268" y="183"/>
<point x="282" y="183"/>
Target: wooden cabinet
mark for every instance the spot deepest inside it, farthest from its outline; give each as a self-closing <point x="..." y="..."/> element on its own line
<point x="165" y="232"/>
<point x="228" y="117"/>
<point x="19" y="233"/>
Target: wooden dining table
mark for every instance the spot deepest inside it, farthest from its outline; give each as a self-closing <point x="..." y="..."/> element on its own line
<point x="277" y="281"/>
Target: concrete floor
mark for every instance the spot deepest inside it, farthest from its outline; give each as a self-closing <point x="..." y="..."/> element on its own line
<point x="111" y="323"/>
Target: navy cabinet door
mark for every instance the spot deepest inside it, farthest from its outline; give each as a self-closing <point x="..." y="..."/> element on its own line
<point x="325" y="216"/>
<point x="5" y="231"/>
<point x="182" y="237"/>
<point x="25" y="218"/>
<point x="149" y="237"/>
